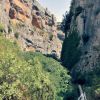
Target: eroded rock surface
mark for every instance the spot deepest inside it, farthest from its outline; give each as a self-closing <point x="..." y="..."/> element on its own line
<point x="88" y="25"/>
<point x="34" y="26"/>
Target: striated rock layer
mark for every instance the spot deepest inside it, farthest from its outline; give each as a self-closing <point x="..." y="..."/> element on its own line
<point x="33" y="26"/>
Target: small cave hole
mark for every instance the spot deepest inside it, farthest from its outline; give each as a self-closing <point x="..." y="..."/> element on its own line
<point x="86" y="52"/>
<point x="85" y="38"/>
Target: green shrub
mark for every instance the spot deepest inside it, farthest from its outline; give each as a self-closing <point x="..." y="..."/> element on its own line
<point x="67" y="18"/>
<point x="70" y="51"/>
<point x="93" y="91"/>
<point x="9" y="29"/>
<point x="61" y="81"/>
<point x="66" y="22"/>
<point x="73" y="94"/>
<point x="97" y="11"/>
<point x="97" y="91"/>
<point x="1" y="28"/>
<point x="51" y="37"/>
<point x="90" y="81"/>
<point x="16" y="35"/>
<point x="78" y="10"/>
<point x="30" y="76"/>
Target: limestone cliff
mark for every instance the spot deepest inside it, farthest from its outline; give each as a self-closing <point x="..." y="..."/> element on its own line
<point x="33" y="26"/>
<point x="81" y="46"/>
<point x="88" y="25"/>
<point x="85" y="16"/>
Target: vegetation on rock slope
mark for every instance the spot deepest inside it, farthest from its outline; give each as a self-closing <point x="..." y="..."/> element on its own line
<point x="30" y="76"/>
<point x="71" y="54"/>
<point x="70" y="51"/>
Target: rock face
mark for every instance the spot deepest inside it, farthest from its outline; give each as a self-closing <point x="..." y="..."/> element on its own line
<point x="33" y="26"/>
<point x="86" y="17"/>
<point x="81" y="46"/>
<point x="88" y="25"/>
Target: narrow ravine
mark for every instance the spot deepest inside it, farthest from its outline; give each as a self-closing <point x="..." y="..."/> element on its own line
<point x="42" y="59"/>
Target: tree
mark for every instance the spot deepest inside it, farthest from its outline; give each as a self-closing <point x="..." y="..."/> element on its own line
<point x="70" y="54"/>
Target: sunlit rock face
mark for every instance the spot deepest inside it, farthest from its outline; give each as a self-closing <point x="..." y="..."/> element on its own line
<point x="35" y="26"/>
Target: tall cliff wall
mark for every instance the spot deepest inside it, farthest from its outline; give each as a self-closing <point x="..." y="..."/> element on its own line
<point x="85" y="17"/>
<point x="81" y="47"/>
<point x="34" y="26"/>
<point x="88" y="25"/>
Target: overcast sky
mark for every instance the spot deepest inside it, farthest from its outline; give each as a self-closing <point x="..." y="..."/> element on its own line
<point x="57" y="7"/>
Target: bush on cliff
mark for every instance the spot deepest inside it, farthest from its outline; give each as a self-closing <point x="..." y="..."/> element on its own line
<point x="1" y="28"/>
<point x="70" y="51"/>
<point x="30" y="76"/>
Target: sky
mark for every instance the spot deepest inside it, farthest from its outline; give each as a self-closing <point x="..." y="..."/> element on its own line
<point x="57" y="7"/>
